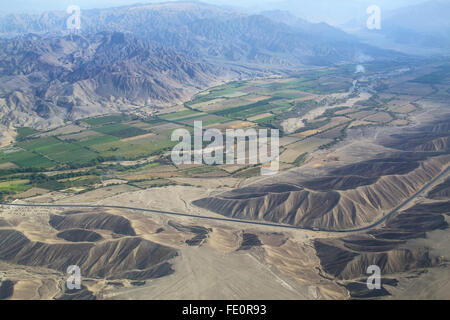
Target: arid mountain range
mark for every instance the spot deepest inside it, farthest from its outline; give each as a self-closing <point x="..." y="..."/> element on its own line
<point x="148" y="56"/>
<point x="45" y="81"/>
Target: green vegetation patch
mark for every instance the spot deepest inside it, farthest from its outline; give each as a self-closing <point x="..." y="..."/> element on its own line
<point x="15" y="186"/>
<point x="197" y="116"/>
<point x="74" y="155"/>
<point x="246" y="111"/>
<point x="119" y="130"/>
<point x="157" y="183"/>
<point x="26" y="159"/>
<point x="248" y="173"/>
<point x="133" y="150"/>
<point x="65" y="180"/>
<point x="218" y="120"/>
<point x="60" y="151"/>
<point x="40" y="144"/>
<point x="24" y="132"/>
<point x="104" y="120"/>
<point x="301" y="158"/>
<point x="288" y="94"/>
<point x="228" y="90"/>
<point x="97" y="139"/>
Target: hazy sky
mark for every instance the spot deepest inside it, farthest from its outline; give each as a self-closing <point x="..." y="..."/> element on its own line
<point x="331" y="11"/>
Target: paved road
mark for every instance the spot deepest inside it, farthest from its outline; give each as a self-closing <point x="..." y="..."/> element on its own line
<point x="256" y="223"/>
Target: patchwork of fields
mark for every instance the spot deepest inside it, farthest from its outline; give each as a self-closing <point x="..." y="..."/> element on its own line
<point x="100" y="139"/>
<point x="319" y="103"/>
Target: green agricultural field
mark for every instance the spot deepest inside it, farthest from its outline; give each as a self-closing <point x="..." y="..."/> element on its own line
<point x="104" y="120"/>
<point x="97" y="139"/>
<point x="141" y="168"/>
<point x="54" y="184"/>
<point x="192" y="117"/>
<point x="229" y="90"/>
<point x="42" y="143"/>
<point x="59" y="151"/>
<point x="235" y="94"/>
<point x="290" y="94"/>
<point x="145" y="124"/>
<point x="120" y="137"/>
<point x="24" y="132"/>
<point x="218" y="120"/>
<point x="153" y="121"/>
<point x="246" y="111"/>
<point x="74" y="155"/>
<point x="167" y="133"/>
<point x="26" y="159"/>
<point x="282" y="105"/>
<point x="15" y="186"/>
<point x="256" y="109"/>
<point x="133" y="150"/>
<point x="332" y="86"/>
<point x="120" y="130"/>
<point x="81" y="182"/>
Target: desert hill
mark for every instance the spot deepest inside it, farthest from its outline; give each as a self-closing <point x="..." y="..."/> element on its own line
<point x="47" y="80"/>
<point x="120" y="257"/>
<point x="346" y="197"/>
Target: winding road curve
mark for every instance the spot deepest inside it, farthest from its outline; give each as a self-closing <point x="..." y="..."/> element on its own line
<point x="256" y="223"/>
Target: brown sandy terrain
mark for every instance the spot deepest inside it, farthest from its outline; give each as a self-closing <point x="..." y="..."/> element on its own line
<point x="128" y="254"/>
<point x="8" y="165"/>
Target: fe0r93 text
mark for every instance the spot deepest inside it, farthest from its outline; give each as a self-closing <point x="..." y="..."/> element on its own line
<point x="243" y="309"/>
